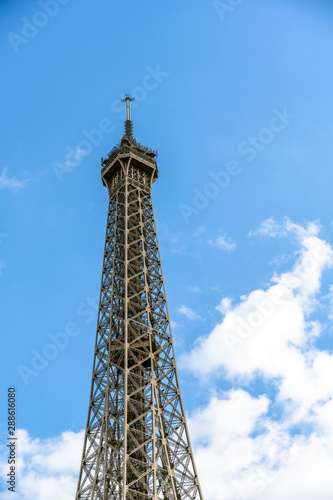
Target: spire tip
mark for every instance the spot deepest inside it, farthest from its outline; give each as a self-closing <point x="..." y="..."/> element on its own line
<point x="128" y="99"/>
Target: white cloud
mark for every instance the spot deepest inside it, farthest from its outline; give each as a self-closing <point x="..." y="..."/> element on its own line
<point x="268" y="227"/>
<point x="189" y="313"/>
<point x="273" y="229"/>
<point x="48" y="468"/>
<point x="10" y="182"/>
<point x="224" y="242"/>
<point x="208" y="421"/>
<point x="269" y="334"/>
<point x="242" y="454"/>
<point x="224" y="306"/>
<point x="278" y="260"/>
<point x="268" y="330"/>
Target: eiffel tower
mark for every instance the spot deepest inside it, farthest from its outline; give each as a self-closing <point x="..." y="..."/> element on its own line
<point x="136" y="444"/>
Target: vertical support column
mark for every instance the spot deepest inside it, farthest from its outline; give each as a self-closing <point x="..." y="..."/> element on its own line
<point x="151" y="350"/>
<point x="125" y="339"/>
<point x="106" y="416"/>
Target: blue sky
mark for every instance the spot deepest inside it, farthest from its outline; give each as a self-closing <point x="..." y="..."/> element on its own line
<point x="241" y="90"/>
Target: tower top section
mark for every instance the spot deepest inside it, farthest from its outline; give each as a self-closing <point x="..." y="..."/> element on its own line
<point x="129" y="148"/>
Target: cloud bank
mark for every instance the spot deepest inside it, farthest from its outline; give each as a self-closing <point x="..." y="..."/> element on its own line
<point x="278" y="443"/>
<point x="47" y="469"/>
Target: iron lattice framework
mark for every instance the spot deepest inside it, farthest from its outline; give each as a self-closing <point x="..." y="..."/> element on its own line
<point x="136" y="443"/>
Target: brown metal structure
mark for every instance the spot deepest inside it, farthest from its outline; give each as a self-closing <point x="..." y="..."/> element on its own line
<point x="136" y="443"/>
